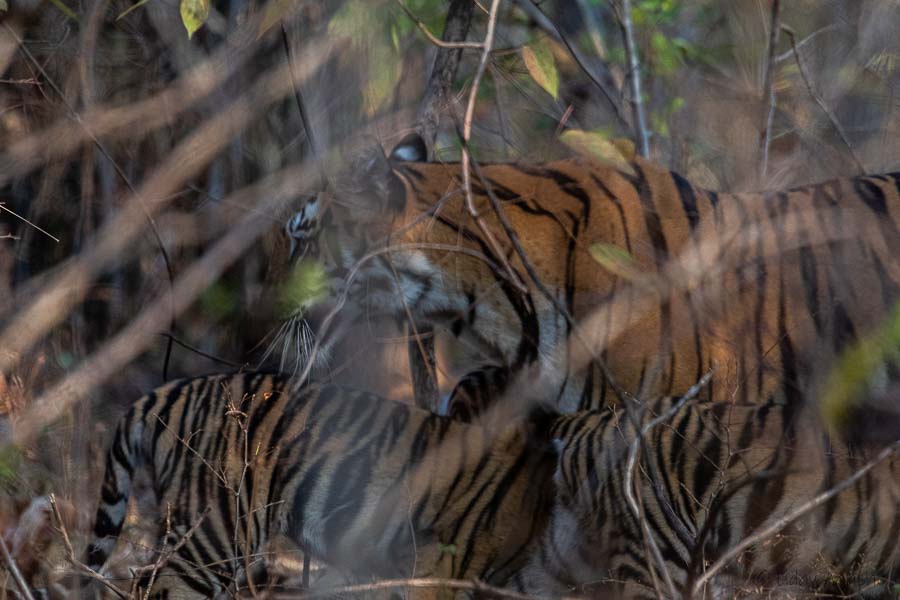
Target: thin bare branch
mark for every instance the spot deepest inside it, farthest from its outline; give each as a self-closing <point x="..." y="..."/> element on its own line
<point x="634" y="78"/>
<point x="200" y="352"/>
<point x="14" y="570"/>
<point x="450" y="45"/>
<point x="70" y="552"/>
<point x="420" y="583"/>
<point x="777" y="525"/>
<point x="630" y="484"/>
<point x="437" y="97"/>
<point x="768" y="95"/>
<point x="790" y="53"/>
<point x="466" y="136"/>
<point x="828" y="113"/>
<point x="21" y="218"/>
<point x="301" y="108"/>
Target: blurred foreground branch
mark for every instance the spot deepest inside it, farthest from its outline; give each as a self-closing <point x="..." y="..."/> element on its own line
<point x="69" y="283"/>
<point x="132" y="340"/>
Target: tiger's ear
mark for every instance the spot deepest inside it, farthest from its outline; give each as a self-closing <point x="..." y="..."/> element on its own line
<point x="411" y="149"/>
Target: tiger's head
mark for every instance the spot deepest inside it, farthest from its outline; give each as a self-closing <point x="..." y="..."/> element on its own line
<point x="353" y="248"/>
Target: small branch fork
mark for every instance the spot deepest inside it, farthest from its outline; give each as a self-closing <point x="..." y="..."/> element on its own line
<point x="70" y="552"/>
<point x="795" y="47"/>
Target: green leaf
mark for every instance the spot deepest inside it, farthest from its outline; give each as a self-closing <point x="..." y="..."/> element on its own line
<point x="194" y="14"/>
<point x="64" y="9"/>
<point x="395" y="38"/>
<point x="305" y="285"/>
<point x="542" y="67"/>
<point x="3" y="6"/>
<point x="219" y="301"/>
<point x="616" y="260"/>
<point x="448" y="548"/>
<point x="847" y="382"/>
<point x="131" y="8"/>
<point x="595" y="145"/>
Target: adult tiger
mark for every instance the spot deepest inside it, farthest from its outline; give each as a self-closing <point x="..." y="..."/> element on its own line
<point x="710" y="476"/>
<point x="372" y="487"/>
<point x="767" y="288"/>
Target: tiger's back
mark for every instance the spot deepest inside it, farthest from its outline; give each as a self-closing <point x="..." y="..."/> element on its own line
<point x="371" y="487"/>
<point x="660" y="279"/>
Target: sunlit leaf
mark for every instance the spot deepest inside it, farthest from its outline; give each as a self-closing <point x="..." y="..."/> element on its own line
<point x="542" y="67"/>
<point x="616" y="260"/>
<point x="847" y="382"/>
<point x="596" y="145"/>
<point x="3" y="6"/>
<point x="194" y="14"/>
<point x="131" y="8"/>
<point x="64" y="9"/>
<point x="305" y="285"/>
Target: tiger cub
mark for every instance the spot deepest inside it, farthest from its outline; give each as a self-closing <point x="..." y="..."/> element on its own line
<point x="709" y="476"/>
<point x="600" y="278"/>
<point x="374" y="488"/>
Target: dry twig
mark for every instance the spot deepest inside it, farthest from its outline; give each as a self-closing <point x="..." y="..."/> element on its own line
<point x="83" y="568"/>
<point x="14" y="570"/>
<point x="768" y="96"/>
<point x="778" y="524"/>
<point x="828" y="113"/>
<point x="634" y="77"/>
<point x="630" y="484"/>
<point x="465" y="159"/>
